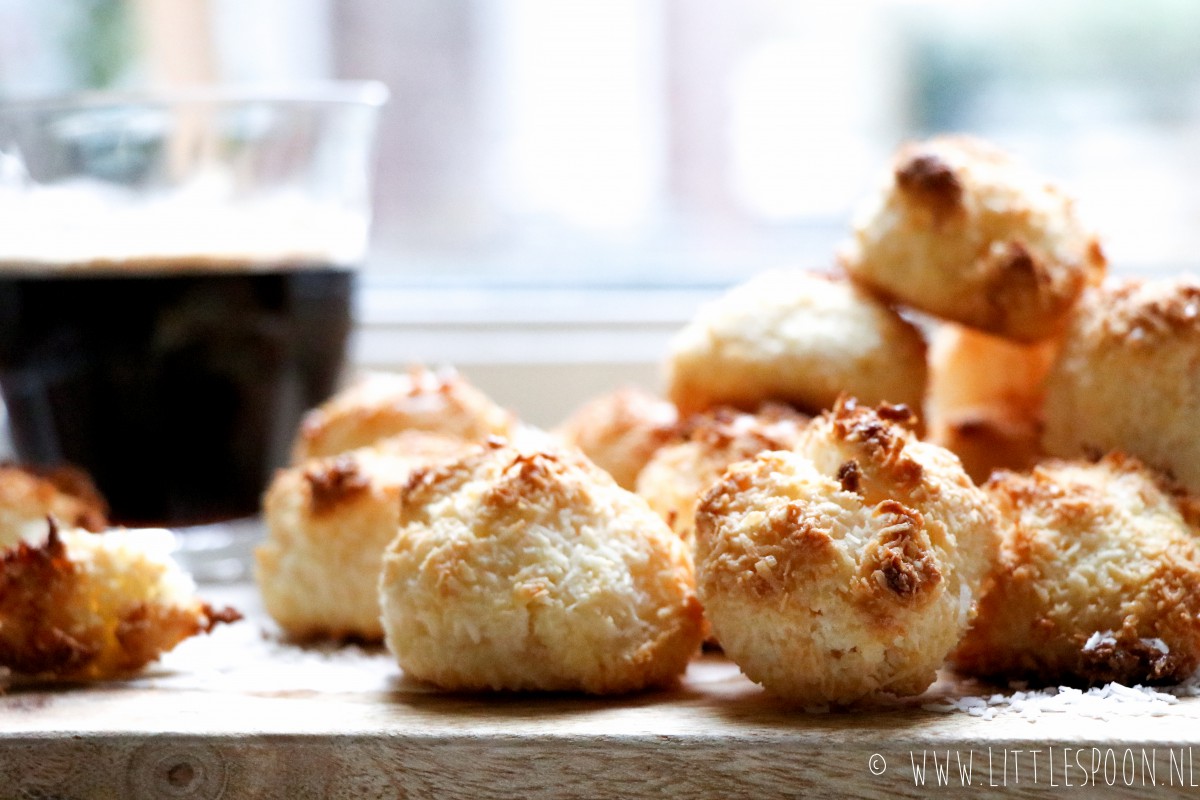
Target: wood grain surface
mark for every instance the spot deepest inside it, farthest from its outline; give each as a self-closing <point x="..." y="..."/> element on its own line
<point x="241" y="714"/>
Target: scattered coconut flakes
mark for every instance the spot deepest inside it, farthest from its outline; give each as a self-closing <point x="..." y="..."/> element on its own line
<point x="1099" y="702"/>
<point x="244" y="658"/>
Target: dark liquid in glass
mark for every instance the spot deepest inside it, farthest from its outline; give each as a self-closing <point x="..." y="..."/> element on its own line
<point x="178" y="387"/>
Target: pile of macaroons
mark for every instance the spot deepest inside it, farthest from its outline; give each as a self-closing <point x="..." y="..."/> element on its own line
<point x="964" y="447"/>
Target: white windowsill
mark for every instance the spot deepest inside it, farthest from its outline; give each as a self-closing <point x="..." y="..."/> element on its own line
<point x="541" y="352"/>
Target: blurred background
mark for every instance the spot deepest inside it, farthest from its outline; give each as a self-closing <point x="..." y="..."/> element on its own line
<point x="559" y="182"/>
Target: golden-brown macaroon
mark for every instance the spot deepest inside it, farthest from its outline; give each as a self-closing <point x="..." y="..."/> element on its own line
<point x="970" y="370"/>
<point x="621" y="430"/>
<point x="985" y="398"/>
<point x="1098" y="579"/>
<point x="1128" y="377"/>
<point x="328" y="522"/>
<point x="27" y="497"/>
<point x="988" y="439"/>
<point x="384" y="404"/>
<point x="847" y="567"/>
<point x="678" y="474"/>
<point x="80" y="605"/>
<point x="799" y="338"/>
<point x="521" y="569"/>
<point x="965" y="232"/>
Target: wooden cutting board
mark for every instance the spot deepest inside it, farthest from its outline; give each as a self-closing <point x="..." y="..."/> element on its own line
<point x="241" y="714"/>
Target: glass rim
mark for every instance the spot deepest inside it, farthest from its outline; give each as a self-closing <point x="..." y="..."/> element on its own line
<point x="372" y="94"/>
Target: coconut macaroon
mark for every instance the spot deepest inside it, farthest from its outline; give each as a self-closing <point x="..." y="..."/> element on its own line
<point x="79" y="605"/>
<point x="987" y="439"/>
<point x="328" y="523"/>
<point x="384" y="404"/>
<point x="678" y="474"/>
<point x="522" y="569"/>
<point x="621" y="430"/>
<point x="1127" y="377"/>
<point x="1098" y="579"/>
<point x="798" y="338"/>
<point x="985" y="398"/>
<point x="970" y="370"/>
<point x="965" y="232"/>
<point x="28" y="497"/>
<point x="848" y="567"/>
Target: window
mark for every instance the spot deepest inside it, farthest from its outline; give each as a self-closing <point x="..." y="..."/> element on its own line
<point x="678" y="142"/>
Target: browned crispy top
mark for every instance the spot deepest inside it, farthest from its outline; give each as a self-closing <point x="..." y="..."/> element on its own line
<point x="895" y="561"/>
<point x="36" y="593"/>
<point x="931" y="181"/>
<point x="333" y="481"/>
<point x="881" y="433"/>
<point x="1143" y="312"/>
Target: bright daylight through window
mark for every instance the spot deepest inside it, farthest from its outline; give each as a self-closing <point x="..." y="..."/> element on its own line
<point x="678" y="142"/>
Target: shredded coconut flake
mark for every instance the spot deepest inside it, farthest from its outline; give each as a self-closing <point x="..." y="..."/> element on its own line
<point x="1157" y="644"/>
<point x="1097" y="639"/>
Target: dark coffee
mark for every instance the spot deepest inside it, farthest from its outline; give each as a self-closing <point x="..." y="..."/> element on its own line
<point x="178" y="389"/>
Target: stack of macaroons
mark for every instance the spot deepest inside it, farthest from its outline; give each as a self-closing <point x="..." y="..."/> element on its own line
<point x="487" y="554"/>
<point x="998" y="260"/>
<point x="1030" y="355"/>
<point x="331" y="514"/>
<point x="1097" y="573"/>
<point x="328" y="522"/>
